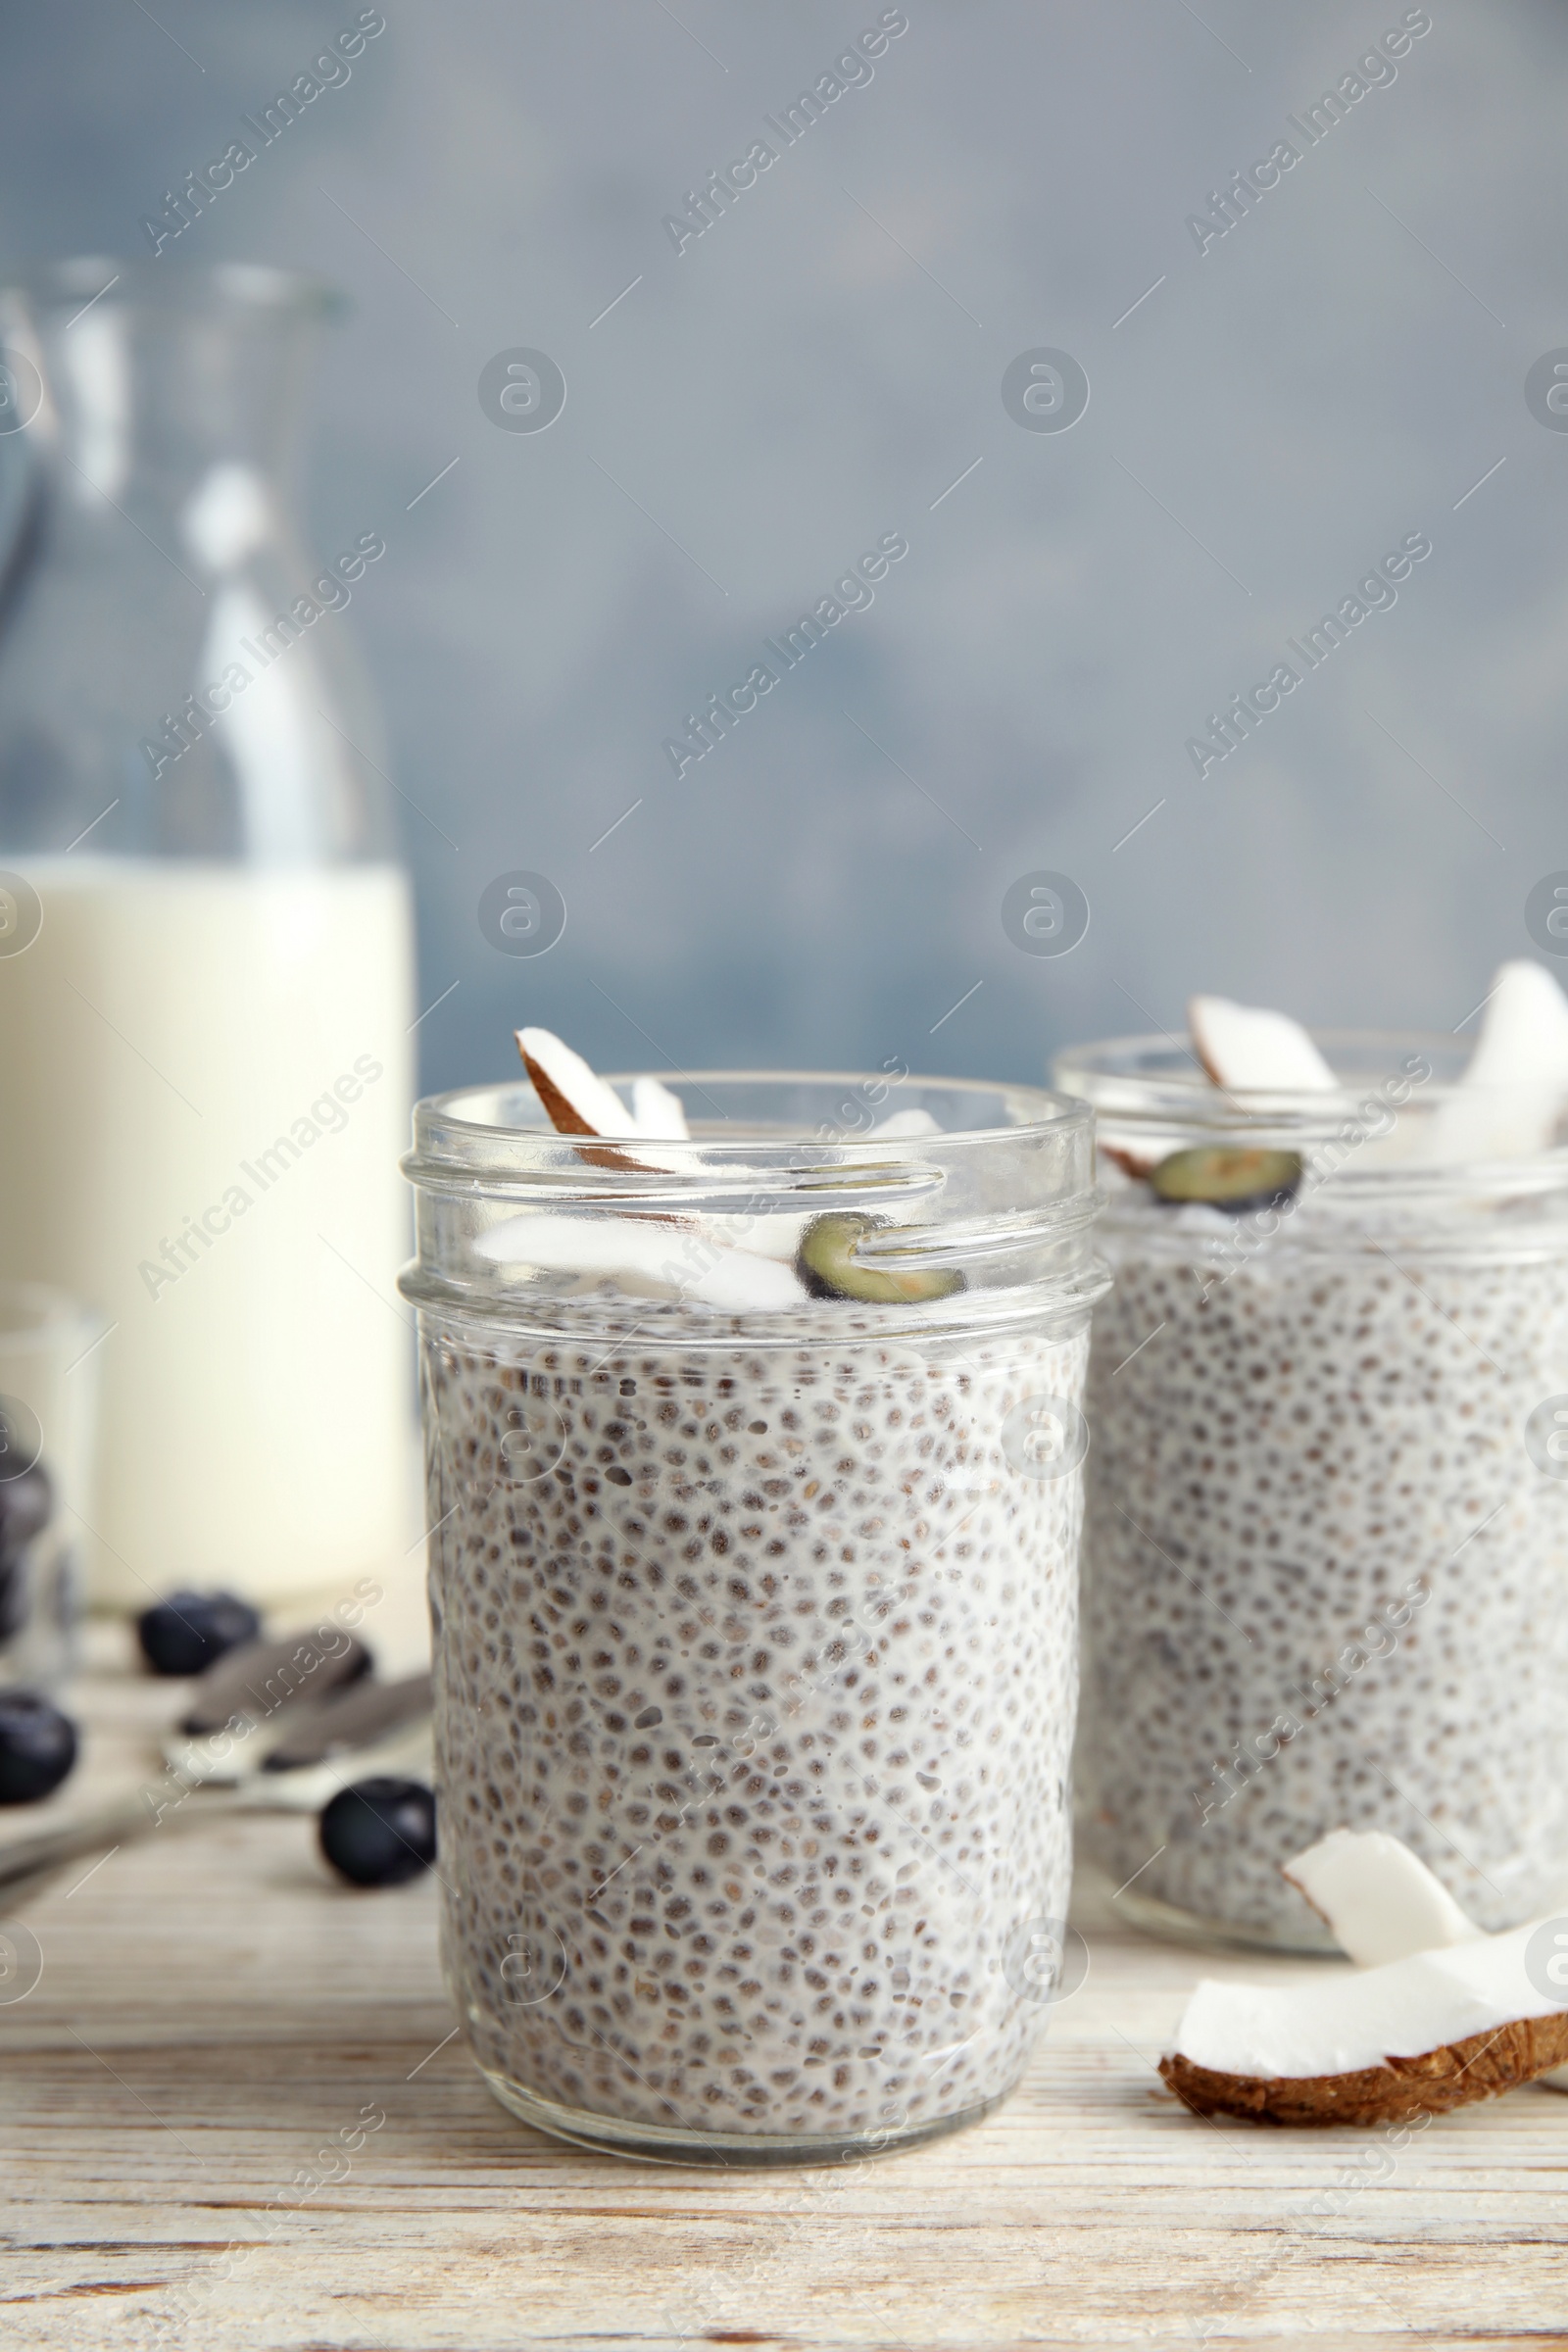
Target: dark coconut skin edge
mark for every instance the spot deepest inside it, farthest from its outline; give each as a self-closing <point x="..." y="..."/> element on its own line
<point x="1481" y="2067"/>
<point x="566" y="1119"/>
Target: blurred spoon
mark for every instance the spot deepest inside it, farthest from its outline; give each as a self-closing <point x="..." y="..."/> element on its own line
<point x="313" y="1751"/>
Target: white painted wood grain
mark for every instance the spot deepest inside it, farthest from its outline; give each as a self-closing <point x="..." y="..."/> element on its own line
<point x="214" y="2013"/>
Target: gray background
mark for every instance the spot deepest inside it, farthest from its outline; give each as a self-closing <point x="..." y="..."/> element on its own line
<point x="815" y="371"/>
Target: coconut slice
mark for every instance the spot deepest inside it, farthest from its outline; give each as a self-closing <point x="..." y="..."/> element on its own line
<point x="1524" y="1031"/>
<point x="658" y="1112"/>
<point x="662" y="1255"/>
<point x="1244" y="1050"/>
<point x="776" y="1235"/>
<point x="1382" y="1903"/>
<point x="1510" y="1101"/>
<point x="1428" y="2034"/>
<point x="578" y="1102"/>
<point x="651" y="1257"/>
<point x="1380" y="1900"/>
<point x="905" y="1123"/>
<point x="575" y="1097"/>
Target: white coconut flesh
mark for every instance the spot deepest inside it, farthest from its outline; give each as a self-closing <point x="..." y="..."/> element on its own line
<point x="1380" y="1900"/>
<point x="1246" y="1049"/>
<point x="1342" y="2025"/>
<point x="650" y="1257"/>
<point x="657" y="1111"/>
<point x="744" y="1264"/>
<point x="1437" y="2016"/>
<point x="1510" y="1099"/>
<point x="1509" y="1103"/>
<point x="1524" y="1031"/>
<point x="577" y="1098"/>
<point x="905" y="1123"/>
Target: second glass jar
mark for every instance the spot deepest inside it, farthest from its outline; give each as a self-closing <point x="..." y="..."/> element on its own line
<point x="1326" y="1534"/>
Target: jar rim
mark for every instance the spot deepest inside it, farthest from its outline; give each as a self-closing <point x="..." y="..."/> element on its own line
<point x="1152" y="1097"/>
<point x="1043" y="1110"/>
<point x="1156" y="1076"/>
<point x="1151" y="1075"/>
<point x="986" y="1224"/>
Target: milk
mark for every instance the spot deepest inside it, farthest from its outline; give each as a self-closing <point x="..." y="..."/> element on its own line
<point x="205" y="1080"/>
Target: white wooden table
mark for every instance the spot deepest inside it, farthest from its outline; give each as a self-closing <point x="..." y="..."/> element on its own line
<point x="212" y="2013"/>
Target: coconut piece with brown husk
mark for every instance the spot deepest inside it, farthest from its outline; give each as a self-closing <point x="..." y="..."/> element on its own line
<point x="1428" y="2034"/>
<point x="575" y="1099"/>
<point x="654" y="1253"/>
<point x="1248" y="1049"/>
<point x="1437" y="2016"/>
<point x="1242" y="1049"/>
<point x="1381" y="1902"/>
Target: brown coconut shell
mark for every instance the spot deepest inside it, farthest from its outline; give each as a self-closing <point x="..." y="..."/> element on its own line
<point x="566" y="1119"/>
<point x="1433" y="2083"/>
<point x="564" y="1116"/>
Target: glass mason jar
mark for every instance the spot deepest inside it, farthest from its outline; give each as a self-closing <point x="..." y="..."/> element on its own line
<point x="1326" y="1535"/>
<point x="754" y="1621"/>
<point x="49" y="1350"/>
<point x="205" y="940"/>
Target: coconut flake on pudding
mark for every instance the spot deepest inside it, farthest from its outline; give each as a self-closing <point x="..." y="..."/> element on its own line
<point x="904" y="1123"/>
<point x="657" y="1111"/>
<point x="750" y="1262"/>
<point x="1510" y="1101"/>
<point x="577" y="1100"/>
<point x="645" y="1256"/>
<point x="1246" y="1049"/>
<point x="1524" y="1032"/>
<point x="642" y="1254"/>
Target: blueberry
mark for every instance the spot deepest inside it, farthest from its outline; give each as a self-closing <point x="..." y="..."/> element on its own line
<point x="25" y="1502"/>
<point x="190" y="1630"/>
<point x="380" y="1831"/>
<point x="37" y="1746"/>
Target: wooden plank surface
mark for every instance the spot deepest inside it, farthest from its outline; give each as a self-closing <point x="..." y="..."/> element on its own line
<point x="212" y="2013"/>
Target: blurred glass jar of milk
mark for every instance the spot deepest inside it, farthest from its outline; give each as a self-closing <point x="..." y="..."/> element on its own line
<point x="205" y="942"/>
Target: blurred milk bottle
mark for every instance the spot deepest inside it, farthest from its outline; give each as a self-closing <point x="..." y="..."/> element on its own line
<point x="205" y="943"/>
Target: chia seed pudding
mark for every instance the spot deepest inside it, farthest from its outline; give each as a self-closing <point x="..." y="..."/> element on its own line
<point x="756" y="1646"/>
<point x="1324" y="1575"/>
